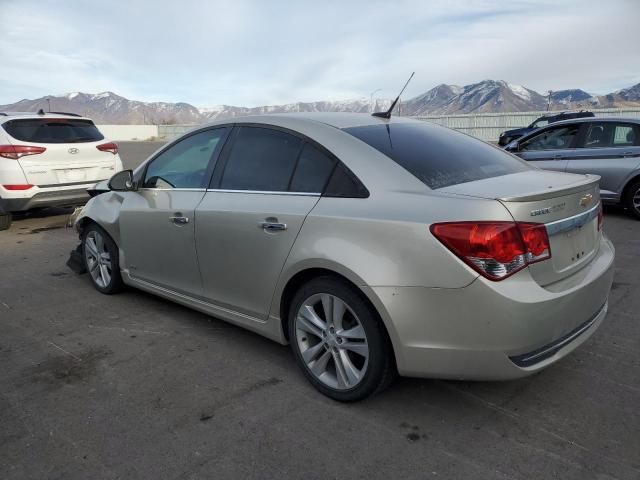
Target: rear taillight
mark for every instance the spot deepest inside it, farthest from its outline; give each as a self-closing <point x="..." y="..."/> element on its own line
<point x="600" y="217"/>
<point x="496" y="250"/>
<point x="25" y="186"/>
<point x="14" y="152"/>
<point x="110" y="147"/>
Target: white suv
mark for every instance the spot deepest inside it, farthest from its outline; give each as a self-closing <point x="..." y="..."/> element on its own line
<point x="50" y="159"/>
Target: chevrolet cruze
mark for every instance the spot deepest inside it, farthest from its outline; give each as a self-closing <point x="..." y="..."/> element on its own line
<point x="372" y="246"/>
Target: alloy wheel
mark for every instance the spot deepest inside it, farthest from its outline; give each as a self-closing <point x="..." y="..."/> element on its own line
<point x="332" y="341"/>
<point x="635" y="201"/>
<point x="98" y="259"/>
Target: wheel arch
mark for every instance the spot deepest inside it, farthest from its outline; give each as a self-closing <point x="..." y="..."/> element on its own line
<point x="304" y="274"/>
<point x="625" y="191"/>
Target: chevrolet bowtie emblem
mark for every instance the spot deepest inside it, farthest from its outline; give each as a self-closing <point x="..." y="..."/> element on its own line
<point x="586" y="200"/>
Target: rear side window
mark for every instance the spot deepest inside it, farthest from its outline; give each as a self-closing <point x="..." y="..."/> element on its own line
<point x="53" y="130"/>
<point x="313" y="170"/>
<point x="344" y="184"/>
<point x="438" y="156"/>
<point x="261" y="159"/>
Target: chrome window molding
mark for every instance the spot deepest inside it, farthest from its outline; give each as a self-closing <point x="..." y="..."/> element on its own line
<point x="265" y="192"/>
<point x="568" y="224"/>
<point x="149" y="189"/>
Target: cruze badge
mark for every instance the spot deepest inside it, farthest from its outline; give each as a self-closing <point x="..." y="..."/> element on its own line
<point x="73" y="150"/>
<point x="586" y="200"/>
<point x="551" y="209"/>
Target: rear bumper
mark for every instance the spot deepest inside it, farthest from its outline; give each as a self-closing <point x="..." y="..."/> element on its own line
<point x="496" y="330"/>
<point x="56" y="198"/>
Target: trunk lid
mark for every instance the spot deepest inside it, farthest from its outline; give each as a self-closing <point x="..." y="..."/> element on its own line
<point x="59" y="166"/>
<point x="567" y="204"/>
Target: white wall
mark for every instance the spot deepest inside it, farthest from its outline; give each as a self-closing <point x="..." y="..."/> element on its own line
<point x="129" y="132"/>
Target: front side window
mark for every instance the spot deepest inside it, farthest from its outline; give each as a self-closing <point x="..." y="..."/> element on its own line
<point x="261" y="159"/>
<point x="552" y="139"/>
<point x="184" y="164"/>
<point x="437" y="156"/>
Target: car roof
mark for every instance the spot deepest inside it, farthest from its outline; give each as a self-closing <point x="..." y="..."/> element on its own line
<point x="339" y="120"/>
<point x="595" y="119"/>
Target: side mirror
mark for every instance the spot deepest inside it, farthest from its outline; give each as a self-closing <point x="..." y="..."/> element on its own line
<point x="121" y="181"/>
<point x="513" y="146"/>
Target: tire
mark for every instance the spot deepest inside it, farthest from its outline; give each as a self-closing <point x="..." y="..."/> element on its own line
<point x="347" y="358"/>
<point x="632" y="199"/>
<point x="5" y="221"/>
<point x="105" y="277"/>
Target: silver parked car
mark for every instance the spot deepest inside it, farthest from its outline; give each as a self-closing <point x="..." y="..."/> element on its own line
<point x="609" y="147"/>
<point x="373" y="246"/>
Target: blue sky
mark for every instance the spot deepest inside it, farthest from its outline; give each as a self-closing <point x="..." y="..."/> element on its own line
<point x="253" y="53"/>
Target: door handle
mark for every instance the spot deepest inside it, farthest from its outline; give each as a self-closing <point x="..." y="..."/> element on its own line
<point x="179" y="220"/>
<point x="558" y="157"/>
<point x="627" y="154"/>
<point x="273" y="226"/>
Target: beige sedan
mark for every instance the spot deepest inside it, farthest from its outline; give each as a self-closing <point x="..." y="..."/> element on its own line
<point x="373" y="246"/>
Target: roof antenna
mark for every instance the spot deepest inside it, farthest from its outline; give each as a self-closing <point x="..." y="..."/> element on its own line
<point x="387" y="114"/>
<point x="40" y="112"/>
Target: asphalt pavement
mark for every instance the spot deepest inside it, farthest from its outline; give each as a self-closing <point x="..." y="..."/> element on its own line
<point x="133" y="386"/>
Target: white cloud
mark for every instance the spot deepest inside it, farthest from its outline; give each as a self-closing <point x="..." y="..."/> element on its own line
<point x="256" y="53"/>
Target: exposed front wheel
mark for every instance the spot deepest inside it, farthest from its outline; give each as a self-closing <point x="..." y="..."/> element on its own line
<point x="101" y="259"/>
<point x="338" y="340"/>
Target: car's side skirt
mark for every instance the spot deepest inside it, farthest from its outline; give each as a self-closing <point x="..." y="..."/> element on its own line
<point x="269" y="328"/>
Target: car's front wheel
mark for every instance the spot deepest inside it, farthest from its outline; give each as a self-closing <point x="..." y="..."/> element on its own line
<point x="339" y="341"/>
<point x="101" y="259"/>
<point x="632" y="199"/>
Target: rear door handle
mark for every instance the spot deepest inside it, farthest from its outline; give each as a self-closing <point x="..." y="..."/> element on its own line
<point x="627" y="154"/>
<point x="179" y="220"/>
<point x="558" y="157"/>
<point x="272" y="225"/>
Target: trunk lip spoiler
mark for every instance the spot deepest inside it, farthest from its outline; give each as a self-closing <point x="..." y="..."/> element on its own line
<point x="544" y="194"/>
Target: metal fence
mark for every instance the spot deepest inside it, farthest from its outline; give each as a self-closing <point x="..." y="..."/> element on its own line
<point x="489" y="126"/>
<point x="485" y="126"/>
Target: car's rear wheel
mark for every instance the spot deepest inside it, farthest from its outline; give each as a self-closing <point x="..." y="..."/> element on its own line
<point x="632" y="200"/>
<point x="101" y="259"/>
<point x="339" y="341"/>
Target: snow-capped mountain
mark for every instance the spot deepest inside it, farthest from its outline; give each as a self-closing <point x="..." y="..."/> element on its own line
<point x="566" y="97"/>
<point x="109" y="108"/>
<point x="483" y="97"/>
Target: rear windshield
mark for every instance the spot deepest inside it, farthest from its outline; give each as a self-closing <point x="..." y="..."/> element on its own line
<point x="53" y="130"/>
<point x="438" y="156"/>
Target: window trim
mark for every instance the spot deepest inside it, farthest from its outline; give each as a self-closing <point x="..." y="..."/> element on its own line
<point x="210" y="165"/>
<point x="223" y="158"/>
<point x="553" y="127"/>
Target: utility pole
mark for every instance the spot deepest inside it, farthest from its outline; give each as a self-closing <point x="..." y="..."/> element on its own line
<point x="49" y="103"/>
<point x="549" y="100"/>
